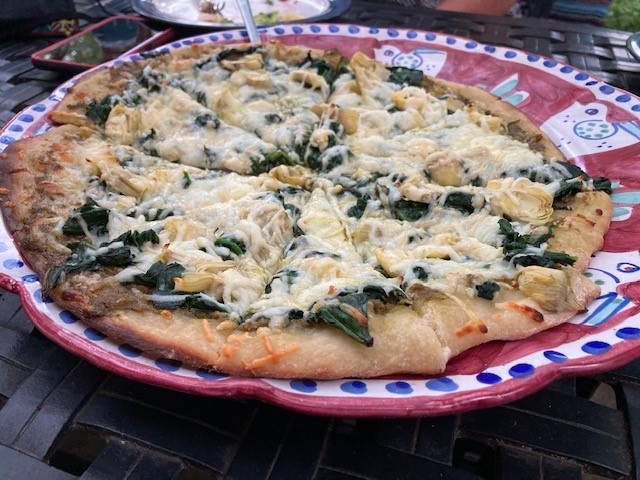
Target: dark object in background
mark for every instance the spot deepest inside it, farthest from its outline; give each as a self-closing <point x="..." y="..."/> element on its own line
<point x="20" y="17"/>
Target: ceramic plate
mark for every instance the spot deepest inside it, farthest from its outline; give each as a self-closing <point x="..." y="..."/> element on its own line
<point x="187" y="12"/>
<point x="597" y="127"/>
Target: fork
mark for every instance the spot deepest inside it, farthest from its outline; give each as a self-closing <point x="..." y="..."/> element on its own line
<point x="249" y="23"/>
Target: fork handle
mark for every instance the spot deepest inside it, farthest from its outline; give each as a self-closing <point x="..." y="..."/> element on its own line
<point x="249" y="23"/>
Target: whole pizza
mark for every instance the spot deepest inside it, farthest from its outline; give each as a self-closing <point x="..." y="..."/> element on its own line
<point x="286" y="212"/>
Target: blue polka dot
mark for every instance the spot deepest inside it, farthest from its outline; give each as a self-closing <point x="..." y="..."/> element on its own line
<point x="333" y="29"/>
<point x="412" y="34"/>
<point x="628" y="333"/>
<point x="118" y="62"/>
<point x="187" y="42"/>
<point x="315" y="28"/>
<point x="262" y="31"/>
<point x="30" y="278"/>
<point x="297" y="30"/>
<point x="168" y="364"/>
<point x="129" y="350"/>
<point x="13" y="263"/>
<point x="213" y="38"/>
<point x="207" y="375"/>
<point x="443" y="384"/>
<point x="430" y="37"/>
<point x="592" y="82"/>
<point x="373" y="30"/>
<point x="199" y="40"/>
<point x="136" y="56"/>
<point x="607" y="90"/>
<point x="636" y="108"/>
<point x="489" y="49"/>
<point x="623" y="98"/>
<point x="402" y="388"/>
<point x="581" y="76"/>
<point x="451" y="41"/>
<point x="566" y="69"/>
<point x="244" y="34"/>
<point x="279" y="31"/>
<point x="392" y="33"/>
<point x="305" y="386"/>
<point x="3" y="247"/>
<point x="471" y="45"/>
<point x="510" y="54"/>
<point x="94" y="335"/>
<point x="25" y="117"/>
<point x="626" y="267"/>
<point x="353" y="29"/>
<point x="555" y="357"/>
<point x="228" y="36"/>
<point x="596" y="347"/>
<point x="7" y="139"/>
<point x="550" y="63"/>
<point x="68" y="317"/>
<point x="488" y="378"/>
<point x="522" y="370"/>
<point x="356" y="386"/>
<point x="176" y="44"/>
<point x="37" y="296"/>
<point x="533" y="58"/>
<point x="39" y="107"/>
<point x="16" y="128"/>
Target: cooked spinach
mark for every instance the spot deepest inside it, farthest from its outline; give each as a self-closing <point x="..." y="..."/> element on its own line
<point x="322" y="67"/>
<point x="518" y="245"/>
<point x="154" y="53"/>
<point x="92" y="215"/>
<point x="357" y="210"/>
<point x="207" y="120"/>
<point x="332" y="314"/>
<point x="286" y="275"/>
<point x="236" y="53"/>
<point x="160" y="276"/>
<point x="461" y="201"/>
<point x="98" y="112"/>
<point x="409" y="210"/>
<point x="198" y="302"/>
<point x="229" y="241"/>
<point x="84" y="257"/>
<point x="269" y="161"/>
<point x="406" y="76"/>
<point x="272" y="118"/>
<point x="186" y="179"/>
<point x="576" y="180"/>
<point x="487" y="289"/>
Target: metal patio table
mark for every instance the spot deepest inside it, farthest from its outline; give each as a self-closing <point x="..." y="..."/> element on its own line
<point x="63" y="418"/>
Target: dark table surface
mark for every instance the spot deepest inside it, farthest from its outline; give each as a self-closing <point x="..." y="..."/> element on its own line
<point x="63" y="418"/>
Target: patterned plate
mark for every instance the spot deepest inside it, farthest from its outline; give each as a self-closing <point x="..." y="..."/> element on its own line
<point x="596" y="125"/>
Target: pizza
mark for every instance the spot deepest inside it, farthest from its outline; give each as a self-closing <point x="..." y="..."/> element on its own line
<point x="281" y="211"/>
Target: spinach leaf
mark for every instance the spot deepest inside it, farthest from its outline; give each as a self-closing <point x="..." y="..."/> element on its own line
<point x="199" y="302"/>
<point x="322" y="67"/>
<point x="358" y="209"/>
<point x="160" y="276"/>
<point x="487" y="289"/>
<point x="517" y="244"/>
<point x="332" y="314"/>
<point x="186" y="179"/>
<point x="98" y="112"/>
<point x="133" y="238"/>
<point x="79" y="260"/>
<point x="461" y="201"/>
<point x="236" y="53"/>
<point x="406" y="76"/>
<point x="229" y="241"/>
<point x="409" y="210"/>
<point x="207" y="120"/>
<point x="576" y="180"/>
<point x="93" y="215"/>
<point x="286" y="275"/>
<point x="270" y="161"/>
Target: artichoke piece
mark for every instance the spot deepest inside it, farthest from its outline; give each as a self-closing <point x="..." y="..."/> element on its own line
<point x="550" y="288"/>
<point x="122" y="124"/>
<point x="521" y="201"/>
<point x="193" y="282"/>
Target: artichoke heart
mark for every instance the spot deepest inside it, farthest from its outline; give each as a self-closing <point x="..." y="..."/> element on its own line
<point x="550" y="288"/>
<point x="310" y="79"/>
<point x="409" y="97"/>
<point x="122" y="124"/>
<point x="522" y="201"/>
<point x="253" y="61"/>
<point x="195" y="282"/>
